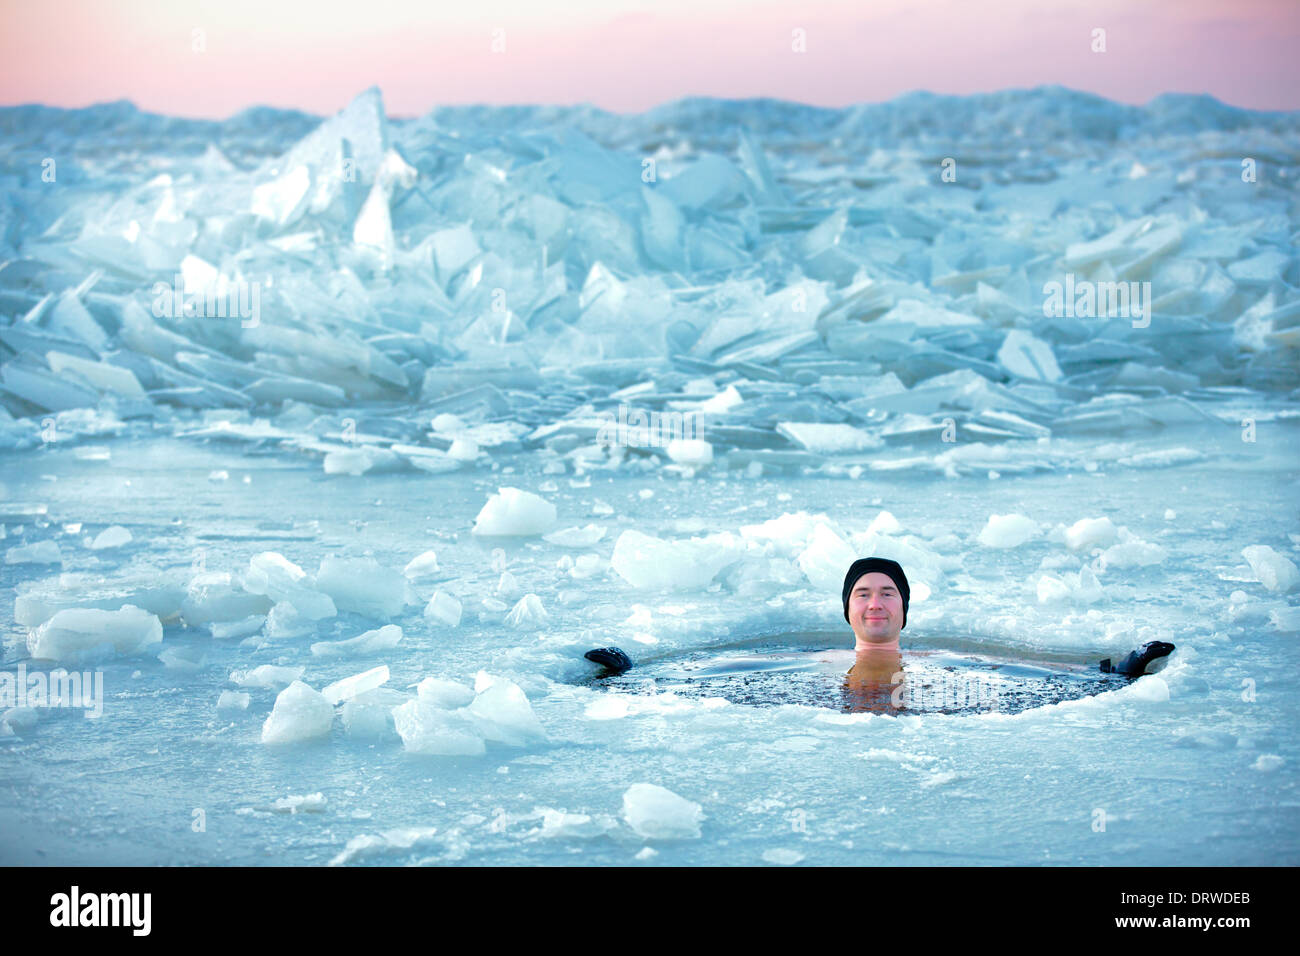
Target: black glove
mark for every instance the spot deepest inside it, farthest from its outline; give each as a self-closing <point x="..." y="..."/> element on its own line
<point x="1135" y="664"/>
<point x="614" y="660"/>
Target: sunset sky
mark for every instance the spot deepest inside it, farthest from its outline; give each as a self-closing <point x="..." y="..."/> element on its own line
<point x="212" y="59"/>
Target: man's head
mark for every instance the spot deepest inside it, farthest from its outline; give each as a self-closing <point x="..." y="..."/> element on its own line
<point x="876" y="595"/>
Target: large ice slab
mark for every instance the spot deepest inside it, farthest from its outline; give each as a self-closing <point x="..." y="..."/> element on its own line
<point x="363" y="585"/>
<point x="82" y="634"/>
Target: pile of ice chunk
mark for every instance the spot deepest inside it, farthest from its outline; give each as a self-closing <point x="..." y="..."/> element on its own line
<point x="273" y="597"/>
<point x="688" y="288"/>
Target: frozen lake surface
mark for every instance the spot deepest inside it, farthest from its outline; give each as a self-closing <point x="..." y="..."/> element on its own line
<point x="1185" y="769"/>
<point x="328" y="447"/>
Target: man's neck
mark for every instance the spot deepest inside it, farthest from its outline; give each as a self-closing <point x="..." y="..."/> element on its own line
<point x="867" y="647"/>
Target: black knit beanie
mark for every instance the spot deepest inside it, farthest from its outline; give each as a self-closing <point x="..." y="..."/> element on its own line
<point x="884" y="566"/>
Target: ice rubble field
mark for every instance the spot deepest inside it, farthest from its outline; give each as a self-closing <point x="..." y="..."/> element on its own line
<point x="337" y="554"/>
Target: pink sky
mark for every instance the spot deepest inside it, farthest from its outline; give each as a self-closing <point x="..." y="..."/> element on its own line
<point x="629" y="55"/>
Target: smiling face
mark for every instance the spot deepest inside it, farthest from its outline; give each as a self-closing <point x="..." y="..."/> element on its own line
<point x="875" y="610"/>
